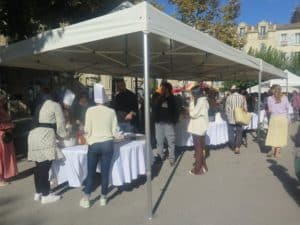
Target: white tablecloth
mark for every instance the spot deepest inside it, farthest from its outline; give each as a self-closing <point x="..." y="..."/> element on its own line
<point x="129" y="161"/>
<point x="253" y="123"/>
<point x="217" y="133"/>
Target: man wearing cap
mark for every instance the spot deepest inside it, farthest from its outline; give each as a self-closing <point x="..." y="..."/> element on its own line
<point x="235" y="131"/>
<point x="126" y="106"/>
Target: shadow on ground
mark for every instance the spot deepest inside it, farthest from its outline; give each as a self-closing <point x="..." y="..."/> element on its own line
<point x="290" y="184"/>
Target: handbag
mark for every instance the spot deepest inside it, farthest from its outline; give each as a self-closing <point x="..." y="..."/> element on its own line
<point x="241" y="116"/>
<point x="7" y="137"/>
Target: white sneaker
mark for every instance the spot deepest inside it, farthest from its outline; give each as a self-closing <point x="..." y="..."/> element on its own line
<point x="50" y="198"/>
<point x="37" y="197"/>
<point x="103" y="201"/>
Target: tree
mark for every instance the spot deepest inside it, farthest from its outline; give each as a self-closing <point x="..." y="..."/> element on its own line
<point x="271" y="55"/>
<point x="294" y="63"/>
<point x="296" y="15"/>
<point x="212" y="17"/>
<point x="21" y="19"/>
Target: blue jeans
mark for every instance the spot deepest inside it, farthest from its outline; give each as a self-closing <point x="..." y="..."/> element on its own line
<point x="235" y="135"/>
<point x="126" y="127"/>
<point x="103" y="152"/>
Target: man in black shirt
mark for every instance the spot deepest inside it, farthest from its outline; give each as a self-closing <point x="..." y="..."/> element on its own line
<point x="165" y="116"/>
<point x="126" y="106"/>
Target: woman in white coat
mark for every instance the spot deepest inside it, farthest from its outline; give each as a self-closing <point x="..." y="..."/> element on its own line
<point x="198" y="126"/>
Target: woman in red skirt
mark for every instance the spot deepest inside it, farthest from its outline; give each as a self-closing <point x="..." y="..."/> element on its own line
<point x="8" y="165"/>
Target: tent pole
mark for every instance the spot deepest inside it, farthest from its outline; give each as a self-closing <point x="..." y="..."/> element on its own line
<point x="259" y="98"/>
<point x="287" y="84"/>
<point x="147" y="125"/>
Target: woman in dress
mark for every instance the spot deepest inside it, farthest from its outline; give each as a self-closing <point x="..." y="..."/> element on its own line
<point x="8" y="165"/>
<point x="197" y="127"/>
<point x="100" y="127"/>
<point x="42" y="147"/>
<point x="278" y="106"/>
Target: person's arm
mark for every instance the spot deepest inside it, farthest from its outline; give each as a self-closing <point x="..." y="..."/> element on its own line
<point x="269" y="103"/>
<point x="227" y="105"/>
<point x="245" y="106"/>
<point x="60" y="121"/>
<point x="88" y="124"/>
<point x="195" y="110"/>
<point x="114" y="124"/>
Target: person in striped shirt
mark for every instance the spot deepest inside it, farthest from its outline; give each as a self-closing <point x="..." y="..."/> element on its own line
<point x="235" y="131"/>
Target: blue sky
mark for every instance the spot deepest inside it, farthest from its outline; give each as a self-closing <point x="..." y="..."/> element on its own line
<point x="253" y="11"/>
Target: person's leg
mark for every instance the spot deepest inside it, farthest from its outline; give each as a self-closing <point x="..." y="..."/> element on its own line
<point x="198" y="155"/>
<point x="92" y="161"/>
<point x="239" y="136"/>
<point x="106" y="157"/>
<point x="170" y="135"/>
<point x="231" y="136"/>
<point x="36" y="176"/>
<point x="42" y="179"/>
<point x="202" y="147"/>
<point x="159" y="134"/>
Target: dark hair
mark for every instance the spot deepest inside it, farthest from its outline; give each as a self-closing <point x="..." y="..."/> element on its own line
<point x="197" y="92"/>
<point x="168" y="87"/>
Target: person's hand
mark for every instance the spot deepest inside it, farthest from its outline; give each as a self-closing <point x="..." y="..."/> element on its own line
<point x="129" y="116"/>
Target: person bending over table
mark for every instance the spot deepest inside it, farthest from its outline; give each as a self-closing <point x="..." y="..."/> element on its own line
<point x="126" y="106"/>
<point x="48" y="122"/>
<point x="100" y="127"/>
<point x="197" y="127"/>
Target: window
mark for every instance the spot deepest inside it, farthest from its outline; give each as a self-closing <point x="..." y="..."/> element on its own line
<point x="242" y="31"/>
<point x="262" y="34"/>
<point x="283" y="39"/>
<point x="297" y="38"/>
<point x="262" y="31"/>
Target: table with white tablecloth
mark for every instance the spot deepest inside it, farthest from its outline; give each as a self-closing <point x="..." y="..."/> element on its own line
<point x="217" y="133"/>
<point x="128" y="162"/>
<point x="254" y="119"/>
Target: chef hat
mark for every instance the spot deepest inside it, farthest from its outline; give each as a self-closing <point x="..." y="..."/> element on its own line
<point x="68" y="97"/>
<point x="99" y="94"/>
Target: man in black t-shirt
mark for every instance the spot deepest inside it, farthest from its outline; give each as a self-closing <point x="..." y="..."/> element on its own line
<point x="126" y="106"/>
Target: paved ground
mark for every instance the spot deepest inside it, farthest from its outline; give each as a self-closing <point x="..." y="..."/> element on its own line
<point x="246" y="189"/>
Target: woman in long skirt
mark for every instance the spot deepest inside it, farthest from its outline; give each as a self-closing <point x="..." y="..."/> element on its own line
<point x="8" y="165"/>
<point x="278" y="106"/>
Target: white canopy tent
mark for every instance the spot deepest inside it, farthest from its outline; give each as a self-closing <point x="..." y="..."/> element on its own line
<point x="119" y="44"/>
<point x="292" y="83"/>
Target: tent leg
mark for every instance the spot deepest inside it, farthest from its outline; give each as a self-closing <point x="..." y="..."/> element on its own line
<point x="287" y="84"/>
<point x="259" y="98"/>
<point x="147" y="125"/>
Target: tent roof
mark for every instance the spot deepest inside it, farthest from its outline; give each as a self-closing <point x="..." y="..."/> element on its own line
<point x="292" y="79"/>
<point x="113" y="44"/>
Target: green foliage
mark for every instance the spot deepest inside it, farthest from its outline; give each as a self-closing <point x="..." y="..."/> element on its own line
<point x="240" y="84"/>
<point x="271" y="55"/>
<point x="21" y="19"/>
<point x="294" y="63"/>
<point x="212" y="17"/>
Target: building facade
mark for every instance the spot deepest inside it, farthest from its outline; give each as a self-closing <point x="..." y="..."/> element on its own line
<point x="285" y="38"/>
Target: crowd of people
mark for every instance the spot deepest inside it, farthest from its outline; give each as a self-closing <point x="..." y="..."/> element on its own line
<point x="97" y="124"/>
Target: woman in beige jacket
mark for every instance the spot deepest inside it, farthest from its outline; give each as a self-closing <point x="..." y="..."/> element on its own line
<point x="198" y="126"/>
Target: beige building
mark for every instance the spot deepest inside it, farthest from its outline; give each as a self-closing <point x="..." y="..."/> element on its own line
<point x="282" y="37"/>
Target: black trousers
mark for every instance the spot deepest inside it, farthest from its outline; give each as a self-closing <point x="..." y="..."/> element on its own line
<point x="235" y="135"/>
<point x="41" y="177"/>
